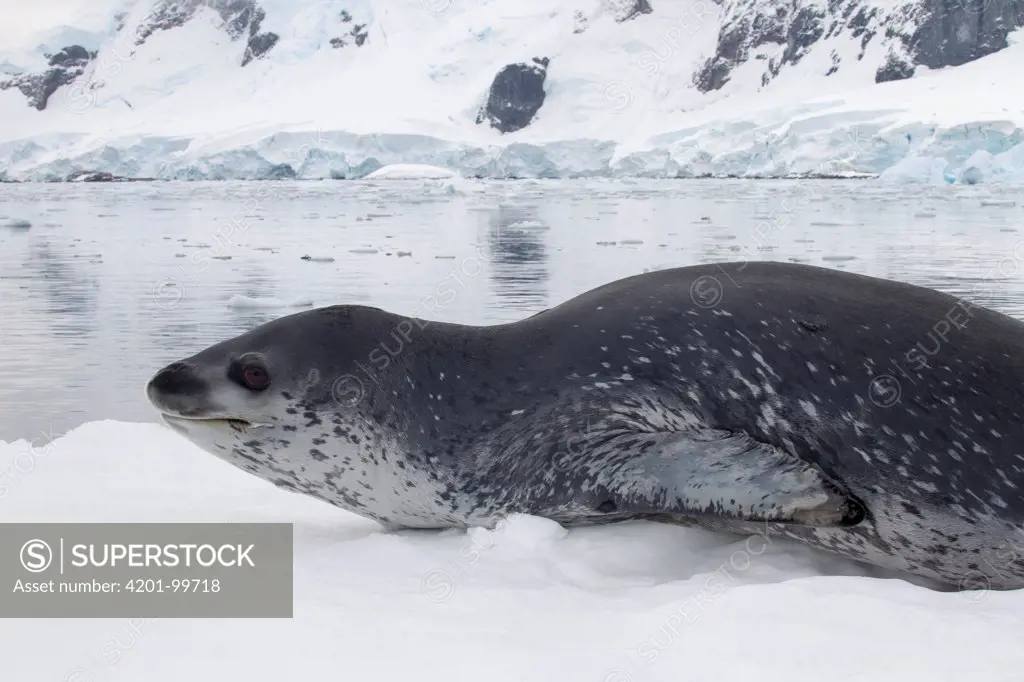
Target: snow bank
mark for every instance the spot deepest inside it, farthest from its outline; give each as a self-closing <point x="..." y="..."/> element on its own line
<point x="526" y="600"/>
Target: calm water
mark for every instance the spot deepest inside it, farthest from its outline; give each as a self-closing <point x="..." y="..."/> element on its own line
<point x="111" y="282"/>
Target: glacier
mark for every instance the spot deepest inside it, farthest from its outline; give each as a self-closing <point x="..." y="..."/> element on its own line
<point x="304" y="89"/>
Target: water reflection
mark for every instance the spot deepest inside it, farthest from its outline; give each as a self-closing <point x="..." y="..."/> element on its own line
<point x="70" y="294"/>
<point x="518" y="257"/>
<point x="112" y="282"/>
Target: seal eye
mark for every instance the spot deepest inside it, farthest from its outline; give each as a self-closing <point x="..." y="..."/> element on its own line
<point x="255" y="377"/>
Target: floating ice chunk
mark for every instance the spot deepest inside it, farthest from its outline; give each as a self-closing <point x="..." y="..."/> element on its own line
<point x="917" y="169"/>
<point x="410" y="171"/>
<point x="239" y="301"/>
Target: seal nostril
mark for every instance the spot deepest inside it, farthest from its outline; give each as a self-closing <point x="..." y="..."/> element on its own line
<point x="178" y="378"/>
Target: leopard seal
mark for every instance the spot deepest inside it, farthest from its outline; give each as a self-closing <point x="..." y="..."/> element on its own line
<point x="874" y="419"/>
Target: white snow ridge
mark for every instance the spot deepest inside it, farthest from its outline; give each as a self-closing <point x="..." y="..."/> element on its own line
<point x="261" y="89"/>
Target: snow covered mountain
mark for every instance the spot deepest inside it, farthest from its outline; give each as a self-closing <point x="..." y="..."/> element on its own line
<point x="921" y="90"/>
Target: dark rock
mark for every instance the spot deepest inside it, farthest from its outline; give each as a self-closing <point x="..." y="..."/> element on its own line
<point x="65" y="67"/>
<point x="714" y="74"/>
<point x="835" y="63"/>
<point x="796" y="28"/>
<point x="281" y="171"/>
<point x="630" y="9"/>
<point x="951" y="33"/>
<point x="516" y="95"/>
<point x="100" y="176"/>
<point x="860" y="22"/>
<point x="242" y="19"/>
<point x="90" y="176"/>
<point x="579" y="22"/>
<point x="345" y="17"/>
<point x="258" y="46"/>
<point x="896" y="68"/>
<point x="71" y="56"/>
<point x="932" y="33"/>
<point x="93" y="176"/>
<point x="165" y="16"/>
<point x="805" y="30"/>
<point x="357" y="34"/>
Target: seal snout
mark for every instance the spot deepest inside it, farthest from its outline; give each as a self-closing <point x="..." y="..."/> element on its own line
<point x="177" y="388"/>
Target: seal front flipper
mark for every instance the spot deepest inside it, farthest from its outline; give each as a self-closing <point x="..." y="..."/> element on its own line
<point x="719" y="473"/>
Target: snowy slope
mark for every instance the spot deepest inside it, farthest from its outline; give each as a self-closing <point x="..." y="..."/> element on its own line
<point x="526" y="601"/>
<point x="167" y="95"/>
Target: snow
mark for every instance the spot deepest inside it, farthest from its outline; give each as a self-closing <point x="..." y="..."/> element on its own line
<point x="240" y="301"/>
<point x="619" y="100"/>
<point x="526" y="600"/>
<point x="409" y="171"/>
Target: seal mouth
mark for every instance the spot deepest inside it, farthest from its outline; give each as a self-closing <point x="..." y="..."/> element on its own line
<point x="178" y="420"/>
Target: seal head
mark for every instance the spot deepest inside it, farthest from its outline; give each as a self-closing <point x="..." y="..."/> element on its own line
<point x="262" y="402"/>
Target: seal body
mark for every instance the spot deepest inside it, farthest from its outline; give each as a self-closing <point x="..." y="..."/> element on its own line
<point x="873" y="419"/>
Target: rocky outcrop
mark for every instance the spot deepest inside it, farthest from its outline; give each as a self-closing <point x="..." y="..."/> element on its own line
<point x="897" y="67"/>
<point x="356" y="34"/>
<point x="71" y="56"/>
<point x="579" y="22"/>
<point x="237" y="15"/>
<point x="258" y="46"/>
<point x="242" y="19"/>
<point x="624" y="10"/>
<point x="954" y="33"/>
<point x="63" y="68"/>
<point x="751" y="24"/>
<point x="932" y="33"/>
<point x="165" y="16"/>
<point x="515" y="96"/>
<point x="99" y="176"/>
<point x="259" y="43"/>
